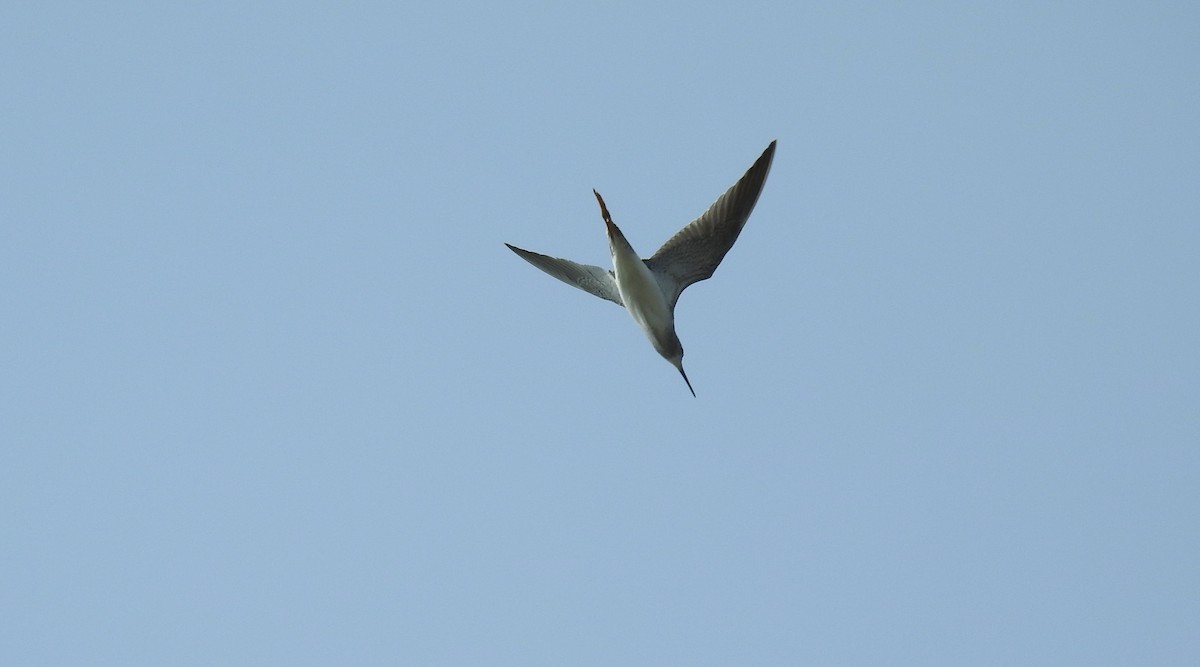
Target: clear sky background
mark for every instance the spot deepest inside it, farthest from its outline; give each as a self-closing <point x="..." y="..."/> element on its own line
<point x="273" y="391"/>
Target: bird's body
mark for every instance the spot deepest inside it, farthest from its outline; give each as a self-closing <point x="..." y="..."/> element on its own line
<point x="649" y="288"/>
<point x="641" y="293"/>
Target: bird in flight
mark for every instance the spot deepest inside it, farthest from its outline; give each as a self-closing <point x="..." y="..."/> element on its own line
<point x="649" y="288"/>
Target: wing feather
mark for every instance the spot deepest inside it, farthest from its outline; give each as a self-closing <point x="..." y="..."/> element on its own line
<point x="591" y="279"/>
<point x="694" y="252"/>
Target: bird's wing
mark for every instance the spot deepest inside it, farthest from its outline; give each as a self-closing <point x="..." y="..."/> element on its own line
<point x="694" y="252"/>
<point x="591" y="279"/>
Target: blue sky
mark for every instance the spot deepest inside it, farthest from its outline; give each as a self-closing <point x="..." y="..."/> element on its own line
<point x="275" y="392"/>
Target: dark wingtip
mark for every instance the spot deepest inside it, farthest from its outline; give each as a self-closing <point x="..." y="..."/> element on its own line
<point x="770" y="150"/>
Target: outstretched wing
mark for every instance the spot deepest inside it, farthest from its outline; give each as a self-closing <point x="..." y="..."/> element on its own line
<point x="591" y="279"/>
<point x="694" y="252"/>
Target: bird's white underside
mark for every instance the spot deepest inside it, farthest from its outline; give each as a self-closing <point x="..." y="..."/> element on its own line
<point x="643" y="297"/>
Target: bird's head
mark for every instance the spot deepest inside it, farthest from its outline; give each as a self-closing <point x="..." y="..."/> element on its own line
<point x="672" y="351"/>
<point x="677" y="362"/>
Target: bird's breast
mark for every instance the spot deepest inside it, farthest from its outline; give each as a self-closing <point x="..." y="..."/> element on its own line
<point x="644" y="298"/>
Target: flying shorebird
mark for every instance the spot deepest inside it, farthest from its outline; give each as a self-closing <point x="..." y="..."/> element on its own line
<point x="649" y="288"/>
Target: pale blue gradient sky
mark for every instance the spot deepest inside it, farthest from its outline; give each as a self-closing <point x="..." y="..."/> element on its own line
<point x="272" y="390"/>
